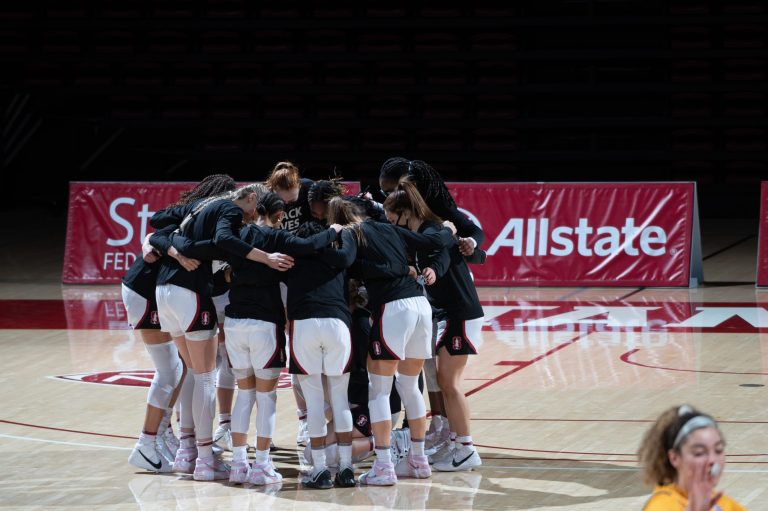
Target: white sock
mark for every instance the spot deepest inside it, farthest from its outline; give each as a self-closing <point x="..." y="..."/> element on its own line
<point x="147" y="439"/>
<point x="345" y="455"/>
<point x="465" y="441"/>
<point x="318" y="459"/>
<point x="261" y="457"/>
<point x="332" y="454"/>
<point x="383" y="454"/>
<point x="240" y="453"/>
<point x="225" y="418"/>
<point x="417" y="448"/>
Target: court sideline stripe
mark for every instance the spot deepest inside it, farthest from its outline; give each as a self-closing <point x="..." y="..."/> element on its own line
<point x="78" y="444"/>
<point x="66" y="430"/>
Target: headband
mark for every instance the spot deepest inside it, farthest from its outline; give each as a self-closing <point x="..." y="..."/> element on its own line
<point x="697" y="422"/>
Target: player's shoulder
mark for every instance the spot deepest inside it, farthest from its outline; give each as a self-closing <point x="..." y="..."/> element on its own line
<point x="664" y="498"/>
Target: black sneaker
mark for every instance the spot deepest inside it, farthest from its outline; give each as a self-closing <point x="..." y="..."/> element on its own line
<point x="345" y="478"/>
<point x="321" y="480"/>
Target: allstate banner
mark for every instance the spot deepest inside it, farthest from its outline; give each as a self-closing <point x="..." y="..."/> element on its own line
<point x="107" y="223"/>
<point x="762" y="249"/>
<point x="585" y="234"/>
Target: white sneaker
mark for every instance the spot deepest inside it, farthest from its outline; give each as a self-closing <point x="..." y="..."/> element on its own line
<point x="163" y="450"/>
<point x="444" y="453"/>
<point x="238" y="472"/>
<point x="148" y="458"/>
<point x="302" y="437"/>
<point x="464" y="457"/>
<point x="264" y="473"/>
<point x="437" y="435"/>
<point x="210" y="469"/>
<point x="400" y="442"/>
<point x="170" y="440"/>
<point x="222" y="438"/>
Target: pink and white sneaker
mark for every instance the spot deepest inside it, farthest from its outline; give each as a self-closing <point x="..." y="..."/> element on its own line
<point x="210" y="468"/>
<point x="264" y="473"/>
<point x="381" y="474"/>
<point x="185" y="460"/>
<point x="413" y="465"/>
<point x="238" y="472"/>
<point x="171" y="441"/>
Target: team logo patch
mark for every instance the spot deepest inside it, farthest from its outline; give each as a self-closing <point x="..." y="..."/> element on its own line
<point x="377" y="347"/>
<point x="457" y="342"/>
<point x="362" y="421"/>
<point x="205" y="318"/>
<point x="153" y="318"/>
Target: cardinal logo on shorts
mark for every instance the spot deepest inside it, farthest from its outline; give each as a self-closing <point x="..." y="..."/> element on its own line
<point x="377" y="348"/>
<point x="362" y="421"/>
<point x="153" y="318"/>
<point x="205" y="318"/>
<point x="457" y="343"/>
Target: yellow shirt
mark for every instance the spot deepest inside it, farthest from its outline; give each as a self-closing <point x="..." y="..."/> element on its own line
<point x="672" y="498"/>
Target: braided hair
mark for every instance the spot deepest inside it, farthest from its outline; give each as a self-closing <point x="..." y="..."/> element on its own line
<point x="258" y="188"/>
<point x="326" y="189"/>
<point x="270" y="204"/>
<point x="215" y="184"/>
<point x="429" y="183"/>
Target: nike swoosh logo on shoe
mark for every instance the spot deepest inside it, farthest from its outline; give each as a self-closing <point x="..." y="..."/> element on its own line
<point x="456" y="465"/>
<point x="156" y="465"/>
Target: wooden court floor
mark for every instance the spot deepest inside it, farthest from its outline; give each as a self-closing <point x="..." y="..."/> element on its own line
<point x="567" y="382"/>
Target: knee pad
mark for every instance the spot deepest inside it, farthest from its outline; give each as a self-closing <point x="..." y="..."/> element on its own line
<point x="337" y="388"/>
<point x="379" y="388"/>
<point x="271" y="373"/>
<point x="168" y="370"/>
<point x="266" y="403"/>
<point x="186" y="415"/>
<point x="242" y="374"/>
<point x="204" y="404"/>
<point x="297" y="385"/>
<point x="225" y="377"/>
<point x="241" y="412"/>
<point x="413" y="400"/>
<point x="315" y="397"/>
<point x="430" y="375"/>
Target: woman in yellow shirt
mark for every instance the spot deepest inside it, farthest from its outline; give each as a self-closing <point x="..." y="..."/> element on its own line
<point x="683" y="454"/>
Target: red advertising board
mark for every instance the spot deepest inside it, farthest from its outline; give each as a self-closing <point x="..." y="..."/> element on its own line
<point x="762" y="248"/>
<point x="583" y="234"/>
<point x="106" y="223"/>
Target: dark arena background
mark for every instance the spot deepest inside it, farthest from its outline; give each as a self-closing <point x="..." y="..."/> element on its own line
<point x="513" y="91"/>
<point x="556" y="95"/>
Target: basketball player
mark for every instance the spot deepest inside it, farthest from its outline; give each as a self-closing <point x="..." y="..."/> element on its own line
<point x="157" y="444"/>
<point x="400" y="336"/>
<point x="435" y="193"/>
<point x="453" y="296"/>
<point x="186" y="311"/>
<point x="321" y="349"/>
<point x="255" y="324"/>
<point x="293" y="189"/>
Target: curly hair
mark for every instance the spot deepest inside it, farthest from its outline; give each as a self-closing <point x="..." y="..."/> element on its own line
<point x="660" y="439"/>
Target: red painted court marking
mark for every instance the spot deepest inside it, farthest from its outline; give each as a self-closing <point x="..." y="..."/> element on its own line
<point x="523" y="365"/>
<point x="625" y="358"/>
<point x="584" y="452"/>
<point x="65" y="430"/>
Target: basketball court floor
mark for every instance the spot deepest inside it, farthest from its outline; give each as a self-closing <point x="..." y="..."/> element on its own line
<point x="567" y="382"/>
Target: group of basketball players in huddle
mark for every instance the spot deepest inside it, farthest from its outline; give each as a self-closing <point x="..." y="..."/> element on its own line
<point x="368" y="294"/>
